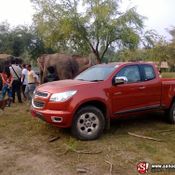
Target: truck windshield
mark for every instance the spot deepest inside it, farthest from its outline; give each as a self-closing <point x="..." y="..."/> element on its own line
<point x="95" y="73"/>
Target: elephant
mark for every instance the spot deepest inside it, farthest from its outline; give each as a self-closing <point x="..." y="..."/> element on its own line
<point x="62" y="65"/>
<point x="5" y="60"/>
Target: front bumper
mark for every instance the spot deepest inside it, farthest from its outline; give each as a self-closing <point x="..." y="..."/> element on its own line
<point x="62" y="119"/>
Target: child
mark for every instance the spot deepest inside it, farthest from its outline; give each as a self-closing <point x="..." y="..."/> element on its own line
<point x="7" y="84"/>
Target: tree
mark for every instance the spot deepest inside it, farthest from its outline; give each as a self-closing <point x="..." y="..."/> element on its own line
<point x="5" y="43"/>
<point x="87" y="25"/>
<point x="21" y="41"/>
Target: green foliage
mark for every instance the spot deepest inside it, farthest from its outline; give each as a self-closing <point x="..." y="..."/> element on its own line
<point x="20" y="41"/>
<point x="157" y="50"/>
<point x="168" y="75"/>
<point x="83" y="26"/>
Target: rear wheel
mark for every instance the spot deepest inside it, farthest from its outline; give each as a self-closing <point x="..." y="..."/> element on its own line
<point x="171" y="115"/>
<point x="88" y="123"/>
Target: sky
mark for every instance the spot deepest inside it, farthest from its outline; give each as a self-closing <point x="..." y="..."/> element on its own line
<point x="16" y="12"/>
<point x="160" y="13"/>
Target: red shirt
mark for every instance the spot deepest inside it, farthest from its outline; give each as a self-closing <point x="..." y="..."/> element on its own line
<point x="5" y="79"/>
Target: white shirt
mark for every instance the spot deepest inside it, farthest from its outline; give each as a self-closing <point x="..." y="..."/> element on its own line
<point x="25" y="75"/>
<point x="17" y="70"/>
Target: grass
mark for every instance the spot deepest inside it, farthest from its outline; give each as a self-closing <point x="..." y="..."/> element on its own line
<point x="25" y="147"/>
<point x="168" y="74"/>
<point x="25" y="137"/>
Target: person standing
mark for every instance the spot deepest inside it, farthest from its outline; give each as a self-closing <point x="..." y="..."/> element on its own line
<point x="32" y="81"/>
<point x="16" y="85"/>
<point x="24" y="80"/>
<point x="7" y="80"/>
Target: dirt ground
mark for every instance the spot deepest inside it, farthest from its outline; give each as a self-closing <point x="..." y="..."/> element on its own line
<point x="27" y="146"/>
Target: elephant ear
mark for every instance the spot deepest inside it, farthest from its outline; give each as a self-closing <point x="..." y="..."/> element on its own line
<point x="93" y="59"/>
<point x="83" y="62"/>
<point x="86" y="66"/>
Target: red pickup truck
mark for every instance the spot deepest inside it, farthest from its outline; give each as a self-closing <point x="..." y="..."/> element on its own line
<point x="103" y="92"/>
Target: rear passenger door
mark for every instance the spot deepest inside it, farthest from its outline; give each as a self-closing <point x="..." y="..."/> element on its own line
<point x="151" y="86"/>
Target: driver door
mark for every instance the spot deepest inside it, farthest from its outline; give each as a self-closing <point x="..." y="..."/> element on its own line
<point x="129" y="96"/>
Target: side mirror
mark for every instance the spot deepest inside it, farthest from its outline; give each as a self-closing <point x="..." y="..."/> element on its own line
<point x="120" y="80"/>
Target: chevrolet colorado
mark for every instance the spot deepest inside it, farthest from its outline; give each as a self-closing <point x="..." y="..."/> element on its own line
<point x="103" y="92"/>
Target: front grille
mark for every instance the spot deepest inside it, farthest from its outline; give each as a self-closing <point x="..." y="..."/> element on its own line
<point x="41" y="94"/>
<point x="38" y="104"/>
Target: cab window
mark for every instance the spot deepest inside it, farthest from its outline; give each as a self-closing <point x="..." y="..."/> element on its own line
<point x="149" y="73"/>
<point x="132" y="73"/>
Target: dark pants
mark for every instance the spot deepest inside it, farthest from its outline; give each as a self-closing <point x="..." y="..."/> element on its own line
<point x="23" y="91"/>
<point x="16" y="88"/>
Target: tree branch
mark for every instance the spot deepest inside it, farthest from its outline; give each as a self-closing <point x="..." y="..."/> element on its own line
<point x="105" y="50"/>
<point x="145" y="137"/>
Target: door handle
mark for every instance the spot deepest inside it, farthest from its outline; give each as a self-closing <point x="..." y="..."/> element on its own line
<point x="118" y="93"/>
<point x="142" y="87"/>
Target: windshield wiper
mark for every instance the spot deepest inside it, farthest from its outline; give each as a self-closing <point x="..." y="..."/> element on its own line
<point x="80" y="79"/>
<point x="89" y="80"/>
<point x="95" y="80"/>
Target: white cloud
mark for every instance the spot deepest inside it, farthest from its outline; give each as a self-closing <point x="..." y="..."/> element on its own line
<point x="160" y="13"/>
<point x="16" y="12"/>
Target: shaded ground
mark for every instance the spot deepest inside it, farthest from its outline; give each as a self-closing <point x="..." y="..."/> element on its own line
<point x="25" y="148"/>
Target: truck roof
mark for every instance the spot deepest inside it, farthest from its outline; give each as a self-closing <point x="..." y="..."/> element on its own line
<point x="116" y="64"/>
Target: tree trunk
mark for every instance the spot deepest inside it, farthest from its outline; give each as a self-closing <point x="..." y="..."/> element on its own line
<point x="97" y="56"/>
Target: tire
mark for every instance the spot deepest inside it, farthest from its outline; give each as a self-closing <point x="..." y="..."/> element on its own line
<point x="171" y="115"/>
<point x="88" y="123"/>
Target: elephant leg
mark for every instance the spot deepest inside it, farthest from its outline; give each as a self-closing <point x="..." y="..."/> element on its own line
<point x="52" y="74"/>
<point x="56" y="74"/>
<point x="58" y="71"/>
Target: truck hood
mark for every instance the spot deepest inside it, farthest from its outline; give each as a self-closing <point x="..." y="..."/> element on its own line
<point x="63" y="85"/>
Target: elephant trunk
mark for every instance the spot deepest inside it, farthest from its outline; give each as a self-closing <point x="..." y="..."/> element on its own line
<point x="40" y="63"/>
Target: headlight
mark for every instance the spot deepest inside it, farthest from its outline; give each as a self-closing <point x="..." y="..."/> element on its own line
<point x="63" y="96"/>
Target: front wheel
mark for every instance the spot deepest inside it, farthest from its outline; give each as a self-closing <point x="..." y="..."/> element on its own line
<point x="88" y="123"/>
<point x="171" y="114"/>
